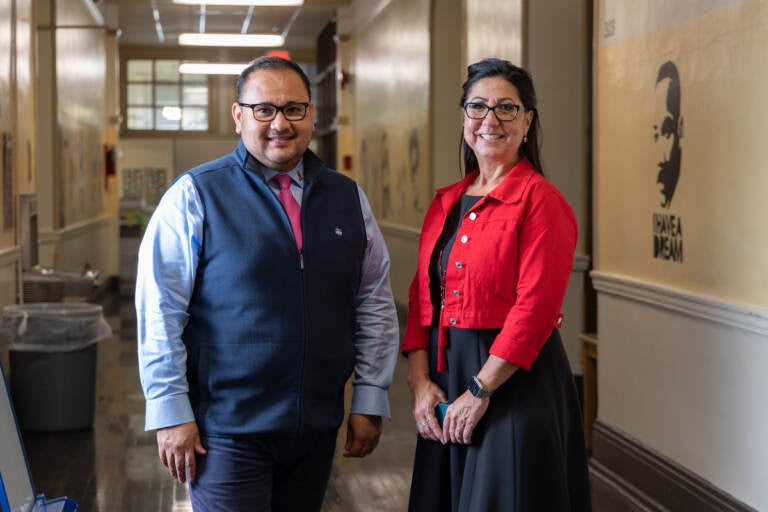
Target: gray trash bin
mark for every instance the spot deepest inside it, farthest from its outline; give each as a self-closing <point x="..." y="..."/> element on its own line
<point x="53" y="363"/>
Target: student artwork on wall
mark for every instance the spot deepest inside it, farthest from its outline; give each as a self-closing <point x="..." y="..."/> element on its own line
<point x="679" y="114"/>
<point x="392" y="94"/>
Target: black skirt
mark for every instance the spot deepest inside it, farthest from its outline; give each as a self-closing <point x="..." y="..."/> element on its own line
<point x="527" y="452"/>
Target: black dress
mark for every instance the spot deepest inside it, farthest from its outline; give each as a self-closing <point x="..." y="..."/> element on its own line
<point x="527" y="452"/>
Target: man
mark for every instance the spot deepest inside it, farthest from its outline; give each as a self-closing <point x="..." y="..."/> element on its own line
<point x="252" y="316"/>
<point x="669" y="132"/>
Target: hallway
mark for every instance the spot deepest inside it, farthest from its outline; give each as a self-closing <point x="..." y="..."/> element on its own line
<point x="114" y="466"/>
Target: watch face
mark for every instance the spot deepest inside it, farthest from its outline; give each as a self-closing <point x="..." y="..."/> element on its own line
<point x="477" y="390"/>
<point x="474" y="387"/>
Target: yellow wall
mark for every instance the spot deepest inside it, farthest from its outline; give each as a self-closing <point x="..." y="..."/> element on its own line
<point x="494" y="29"/>
<point x="720" y="196"/>
<point x="391" y="67"/>
<point x="76" y="201"/>
<point x="7" y="174"/>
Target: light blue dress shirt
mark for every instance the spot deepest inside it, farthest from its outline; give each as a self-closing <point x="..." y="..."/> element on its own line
<point x="168" y="258"/>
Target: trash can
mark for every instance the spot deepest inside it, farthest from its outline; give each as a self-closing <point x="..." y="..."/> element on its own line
<point x="53" y="363"/>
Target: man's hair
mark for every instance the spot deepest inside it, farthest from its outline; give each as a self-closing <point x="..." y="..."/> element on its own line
<point x="669" y="70"/>
<point x="272" y="64"/>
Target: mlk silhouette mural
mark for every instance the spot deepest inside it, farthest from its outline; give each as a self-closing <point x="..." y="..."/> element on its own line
<point x="668" y="133"/>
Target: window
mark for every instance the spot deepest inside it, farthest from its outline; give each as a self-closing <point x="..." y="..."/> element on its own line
<point x="158" y="97"/>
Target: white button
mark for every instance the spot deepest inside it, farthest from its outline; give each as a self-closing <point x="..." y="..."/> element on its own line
<point x="456" y="292"/>
<point x="464" y="239"/>
<point x="458" y="264"/>
<point x="472" y="216"/>
<point x="452" y="321"/>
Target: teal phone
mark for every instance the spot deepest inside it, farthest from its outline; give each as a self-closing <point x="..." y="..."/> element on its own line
<point x="440" y="412"/>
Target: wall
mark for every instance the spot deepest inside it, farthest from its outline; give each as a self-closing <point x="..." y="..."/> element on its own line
<point x="387" y="109"/>
<point x="17" y="142"/>
<point x="392" y="111"/>
<point x="74" y="192"/>
<point x="495" y="29"/>
<point x="680" y="245"/>
<point x="557" y="54"/>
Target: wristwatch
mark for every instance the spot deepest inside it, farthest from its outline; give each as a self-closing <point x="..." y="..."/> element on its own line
<point x="476" y="388"/>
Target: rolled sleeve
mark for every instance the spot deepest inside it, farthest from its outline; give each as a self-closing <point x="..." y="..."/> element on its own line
<point x="547" y="241"/>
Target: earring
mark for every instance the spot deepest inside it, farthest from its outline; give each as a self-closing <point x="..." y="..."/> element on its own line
<point x="525" y="138"/>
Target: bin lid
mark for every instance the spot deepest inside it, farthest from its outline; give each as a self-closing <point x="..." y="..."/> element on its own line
<point x="54" y="326"/>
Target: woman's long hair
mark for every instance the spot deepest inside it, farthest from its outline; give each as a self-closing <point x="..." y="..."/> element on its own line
<point x="491" y="67"/>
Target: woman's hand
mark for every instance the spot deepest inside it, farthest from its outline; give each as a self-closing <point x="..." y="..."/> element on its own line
<point x="426" y="395"/>
<point x="462" y="417"/>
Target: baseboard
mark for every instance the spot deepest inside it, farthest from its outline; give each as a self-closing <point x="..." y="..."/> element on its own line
<point x="628" y="476"/>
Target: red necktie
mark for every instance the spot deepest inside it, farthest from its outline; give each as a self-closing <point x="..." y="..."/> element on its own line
<point x="292" y="208"/>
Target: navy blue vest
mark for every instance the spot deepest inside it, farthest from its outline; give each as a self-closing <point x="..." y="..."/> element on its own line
<point x="270" y="338"/>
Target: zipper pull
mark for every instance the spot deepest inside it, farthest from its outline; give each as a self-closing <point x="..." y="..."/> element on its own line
<point x="301" y="260"/>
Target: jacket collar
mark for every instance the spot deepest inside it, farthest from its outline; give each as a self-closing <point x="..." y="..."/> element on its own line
<point x="510" y="190"/>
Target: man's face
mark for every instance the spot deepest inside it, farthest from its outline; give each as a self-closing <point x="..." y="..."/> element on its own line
<point x="664" y="130"/>
<point x="278" y="144"/>
<point x="666" y="135"/>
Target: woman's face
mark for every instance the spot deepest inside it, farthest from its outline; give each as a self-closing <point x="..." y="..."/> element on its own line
<point x="491" y="139"/>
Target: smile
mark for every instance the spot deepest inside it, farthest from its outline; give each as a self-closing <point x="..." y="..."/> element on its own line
<point x="486" y="136"/>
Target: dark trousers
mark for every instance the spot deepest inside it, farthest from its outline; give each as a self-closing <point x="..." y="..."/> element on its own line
<point x="250" y="474"/>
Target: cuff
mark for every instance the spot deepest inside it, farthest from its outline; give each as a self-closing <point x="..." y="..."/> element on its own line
<point x="168" y="411"/>
<point x="516" y="353"/>
<point x="369" y="400"/>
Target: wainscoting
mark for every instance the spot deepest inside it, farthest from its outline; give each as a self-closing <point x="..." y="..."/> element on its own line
<point x="627" y="476"/>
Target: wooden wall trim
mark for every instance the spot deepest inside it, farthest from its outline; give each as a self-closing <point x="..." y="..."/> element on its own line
<point x="10" y="255"/>
<point x="683" y="301"/>
<point x="634" y="477"/>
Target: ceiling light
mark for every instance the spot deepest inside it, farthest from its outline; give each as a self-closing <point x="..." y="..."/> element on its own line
<point x="258" y="3"/>
<point x="171" y="113"/>
<point x="209" y="68"/>
<point x="195" y="39"/>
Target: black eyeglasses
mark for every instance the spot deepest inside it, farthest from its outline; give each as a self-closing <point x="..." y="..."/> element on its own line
<point x="266" y="112"/>
<point x="502" y="111"/>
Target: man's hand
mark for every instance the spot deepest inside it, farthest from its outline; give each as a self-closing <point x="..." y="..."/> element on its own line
<point x="363" y="431"/>
<point x="177" y="446"/>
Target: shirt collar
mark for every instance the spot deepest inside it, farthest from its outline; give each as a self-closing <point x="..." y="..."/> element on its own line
<point x="296" y="174"/>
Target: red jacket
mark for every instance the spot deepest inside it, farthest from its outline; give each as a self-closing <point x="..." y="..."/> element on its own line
<point x="508" y="269"/>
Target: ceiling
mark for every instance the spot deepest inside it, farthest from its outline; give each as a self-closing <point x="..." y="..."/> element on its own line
<point x="136" y="23"/>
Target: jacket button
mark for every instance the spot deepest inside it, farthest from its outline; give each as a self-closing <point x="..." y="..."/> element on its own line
<point x="456" y="292"/>
<point x="472" y="216"/>
<point x="452" y="321"/>
<point x="464" y="239"/>
<point x="458" y="264"/>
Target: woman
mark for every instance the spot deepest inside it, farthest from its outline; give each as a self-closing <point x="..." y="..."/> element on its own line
<point x="495" y="255"/>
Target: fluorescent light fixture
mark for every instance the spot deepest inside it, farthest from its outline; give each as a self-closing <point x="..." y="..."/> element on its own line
<point x="209" y="68"/>
<point x="194" y="39"/>
<point x="257" y="3"/>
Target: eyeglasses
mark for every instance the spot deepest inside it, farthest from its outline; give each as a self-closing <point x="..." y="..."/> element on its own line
<point x="266" y="112"/>
<point x="502" y="111"/>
